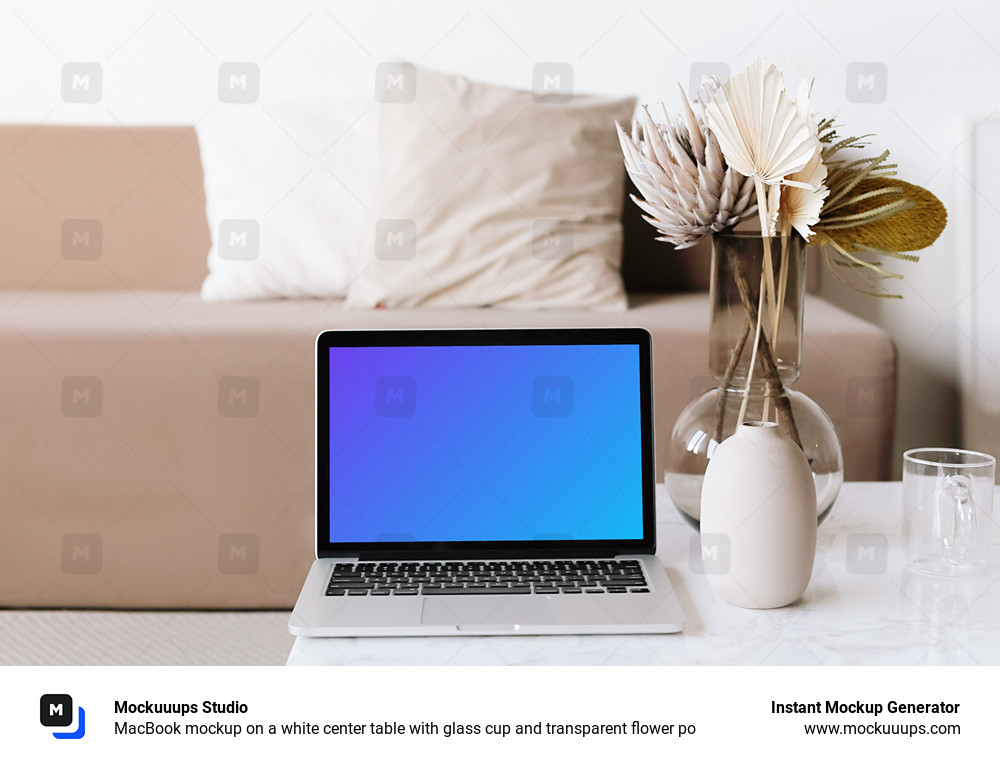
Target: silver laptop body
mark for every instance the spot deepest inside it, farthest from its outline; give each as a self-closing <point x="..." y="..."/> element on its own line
<point x="484" y="482"/>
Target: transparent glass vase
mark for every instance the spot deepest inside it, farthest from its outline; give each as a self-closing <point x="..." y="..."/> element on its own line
<point x="737" y="268"/>
<point x="738" y="273"/>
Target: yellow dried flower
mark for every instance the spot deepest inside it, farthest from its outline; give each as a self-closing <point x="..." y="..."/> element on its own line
<point x="858" y="224"/>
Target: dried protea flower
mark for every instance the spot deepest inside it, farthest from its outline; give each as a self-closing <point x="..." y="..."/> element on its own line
<point x="687" y="187"/>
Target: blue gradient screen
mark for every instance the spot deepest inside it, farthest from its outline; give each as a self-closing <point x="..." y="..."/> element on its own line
<point x="485" y="443"/>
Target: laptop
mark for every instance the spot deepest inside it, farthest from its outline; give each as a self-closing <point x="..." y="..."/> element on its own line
<point x="485" y="482"/>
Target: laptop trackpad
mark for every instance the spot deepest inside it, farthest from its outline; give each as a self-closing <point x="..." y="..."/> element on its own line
<point x="495" y="612"/>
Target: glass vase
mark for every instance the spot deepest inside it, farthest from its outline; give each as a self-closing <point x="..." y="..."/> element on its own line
<point x="738" y="273"/>
<point x="741" y="266"/>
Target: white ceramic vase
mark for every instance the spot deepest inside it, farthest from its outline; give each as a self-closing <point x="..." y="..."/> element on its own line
<point x="758" y="510"/>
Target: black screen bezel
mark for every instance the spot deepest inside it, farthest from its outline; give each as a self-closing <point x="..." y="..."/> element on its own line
<point x="507" y="337"/>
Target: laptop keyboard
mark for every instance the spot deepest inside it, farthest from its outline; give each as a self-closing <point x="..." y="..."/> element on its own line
<point x="444" y="578"/>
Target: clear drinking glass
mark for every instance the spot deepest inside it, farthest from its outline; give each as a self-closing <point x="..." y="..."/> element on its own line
<point x="947" y="503"/>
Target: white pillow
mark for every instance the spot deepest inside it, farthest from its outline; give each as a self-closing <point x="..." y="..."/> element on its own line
<point x="288" y="190"/>
<point x="493" y="196"/>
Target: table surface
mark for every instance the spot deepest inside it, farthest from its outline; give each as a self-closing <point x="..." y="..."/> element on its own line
<point x="862" y="607"/>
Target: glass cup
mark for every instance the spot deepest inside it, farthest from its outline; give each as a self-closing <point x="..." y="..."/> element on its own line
<point x="947" y="502"/>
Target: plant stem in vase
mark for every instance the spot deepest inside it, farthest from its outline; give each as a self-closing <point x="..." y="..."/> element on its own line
<point x="764" y="353"/>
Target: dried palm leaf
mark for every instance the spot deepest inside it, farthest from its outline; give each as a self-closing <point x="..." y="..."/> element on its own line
<point x="801" y="205"/>
<point x="759" y="131"/>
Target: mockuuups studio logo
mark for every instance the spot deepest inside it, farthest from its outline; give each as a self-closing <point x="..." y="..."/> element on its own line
<point x="395" y="82"/>
<point x="552" y="81"/>
<point x="709" y="553"/>
<point x="552" y="396"/>
<point x="867" y="397"/>
<point x="82" y="396"/>
<point x="81" y="239"/>
<point x="867" y="553"/>
<point x="82" y="553"/>
<point x="239" y="554"/>
<point x="239" y="82"/>
<point x="239" y="396"/>
<point x="552" y="239"/>
<point x="81" y="82"/>
<point x="239" y="239"/>
<point x="396" y="239"/>
<point x="702" y="71"/>
<point x="867" y="82"/>
<point x="700" y="385"/>
<point x="395" y="396"/>
<point x="56" y="712"/>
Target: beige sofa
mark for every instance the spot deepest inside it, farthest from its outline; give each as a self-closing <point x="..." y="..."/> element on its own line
<point x="157" y="450"/>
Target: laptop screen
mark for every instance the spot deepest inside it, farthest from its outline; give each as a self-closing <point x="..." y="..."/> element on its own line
<point x="482" y="443"/>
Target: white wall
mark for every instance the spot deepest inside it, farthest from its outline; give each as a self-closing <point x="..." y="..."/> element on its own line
<point x="979" y="289"/>
<point x="160" y="64"/>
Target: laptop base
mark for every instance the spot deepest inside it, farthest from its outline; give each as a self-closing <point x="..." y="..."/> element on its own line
<point x="319" y="615"/>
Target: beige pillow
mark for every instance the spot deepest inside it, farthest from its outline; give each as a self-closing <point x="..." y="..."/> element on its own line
<point x="490" y="196"/>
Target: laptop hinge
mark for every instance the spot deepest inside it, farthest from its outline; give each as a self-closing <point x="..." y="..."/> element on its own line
<point x="484" y="555"/>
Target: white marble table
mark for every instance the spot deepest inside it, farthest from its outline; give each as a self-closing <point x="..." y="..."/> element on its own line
<point x="862" y="607"/>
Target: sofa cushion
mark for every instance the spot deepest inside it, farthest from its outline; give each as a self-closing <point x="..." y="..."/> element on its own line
<point x="495" y="196"/>
<point x="157" y="450"/>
